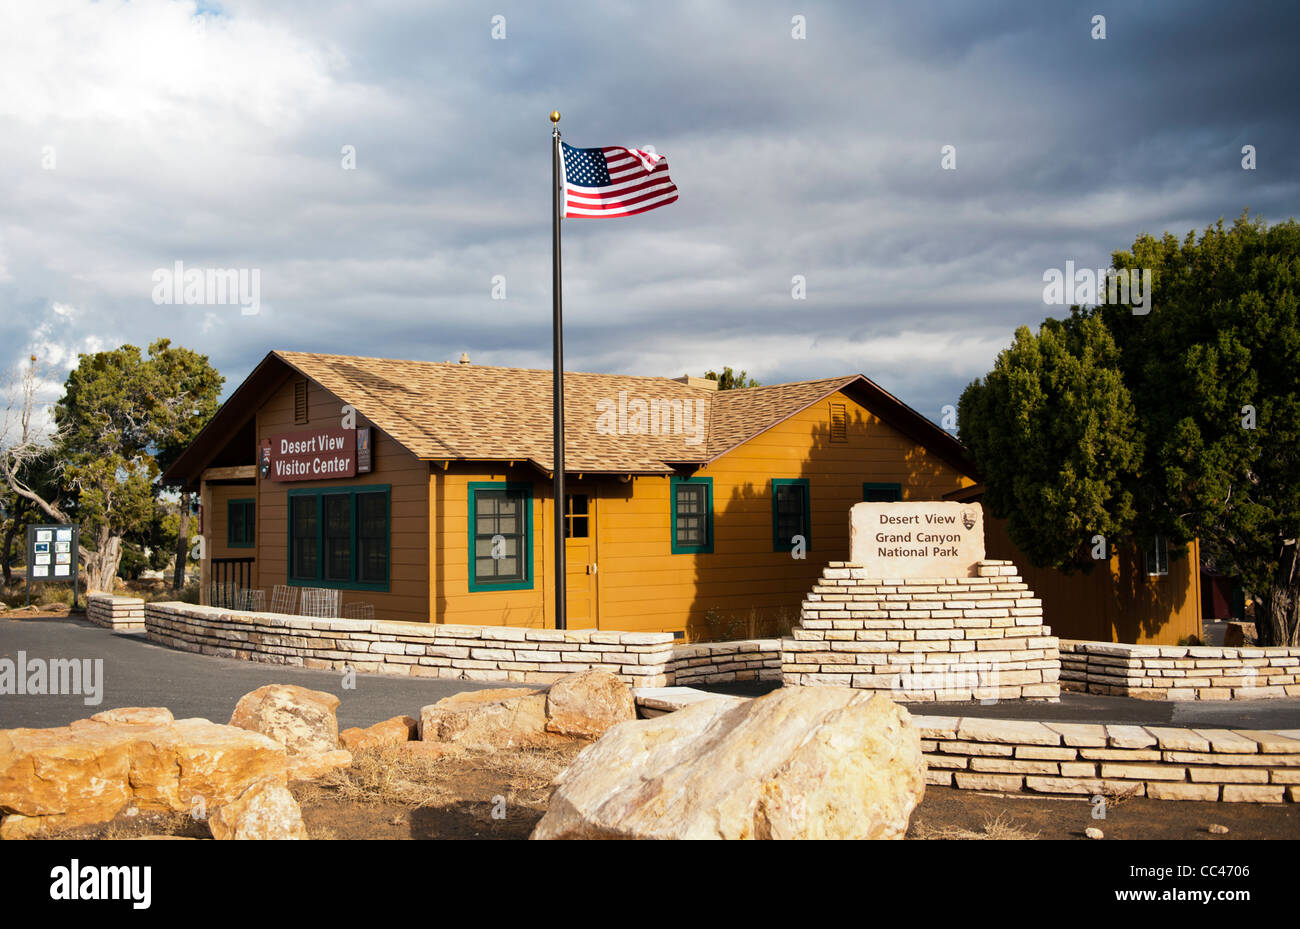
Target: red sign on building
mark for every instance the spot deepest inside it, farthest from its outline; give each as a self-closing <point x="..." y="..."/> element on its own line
<point x="318" y="454"/>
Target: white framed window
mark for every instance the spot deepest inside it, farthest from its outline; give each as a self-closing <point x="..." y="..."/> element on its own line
<point x="1158" y="558"/>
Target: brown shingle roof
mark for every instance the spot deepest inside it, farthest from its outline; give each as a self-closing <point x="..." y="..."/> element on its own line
<point x="739" y="415"/>
<point x="443" y="410"/>
<point x="447" y="410"/>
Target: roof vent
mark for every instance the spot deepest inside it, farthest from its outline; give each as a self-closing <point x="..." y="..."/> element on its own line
<point x="300" y="401"/>
<point x="702" y="382"/>
<point x="464" y="358"/>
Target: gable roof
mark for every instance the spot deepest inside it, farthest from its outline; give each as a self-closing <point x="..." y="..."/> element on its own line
<point x="448" y="411"/>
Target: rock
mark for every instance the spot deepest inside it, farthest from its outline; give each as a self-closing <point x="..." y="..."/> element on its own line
<point x="136" y="716"/>
<point x="1239" y="634"/>
<point x="1216" y="829"/>
<point x="801" y="762"/>
<point x="89" y="771"/>
<point x="311" y="767"/>
<point x="655" y="701"/>
<point x="265" y="810"/>
<point x="1093" y="832"/>
<point x="504" y="717"/>
<point x="390" y="732"/>
<point x="587" y="703"/>
<point x="582" y="705"/>
<point x="301" y="720"/>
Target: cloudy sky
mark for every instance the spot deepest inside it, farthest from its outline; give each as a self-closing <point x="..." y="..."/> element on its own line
<point x="136" y="135"/>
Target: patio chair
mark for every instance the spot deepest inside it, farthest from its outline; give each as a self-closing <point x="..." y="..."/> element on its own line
<point x="224" y="596"/>
<point x="284" y="599"/>
<point x="359" y="611"/>
<point x="320" y="602"/>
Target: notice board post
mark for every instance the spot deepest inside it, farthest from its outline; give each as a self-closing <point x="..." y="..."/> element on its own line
<point x="53" y="555"/>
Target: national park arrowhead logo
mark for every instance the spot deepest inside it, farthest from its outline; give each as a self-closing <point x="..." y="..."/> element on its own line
<point x="968" y="519"/>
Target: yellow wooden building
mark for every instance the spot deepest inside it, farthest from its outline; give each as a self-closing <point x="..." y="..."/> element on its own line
<point x="423" y="489"/>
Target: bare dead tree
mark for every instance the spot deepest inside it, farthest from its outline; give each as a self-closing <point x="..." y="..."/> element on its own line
<point x="27" y="434"/>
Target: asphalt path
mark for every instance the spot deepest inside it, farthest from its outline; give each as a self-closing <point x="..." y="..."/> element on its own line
<point x="137" y="672"/>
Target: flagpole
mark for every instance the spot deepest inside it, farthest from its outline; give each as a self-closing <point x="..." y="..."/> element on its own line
<point x="557" y="376"/>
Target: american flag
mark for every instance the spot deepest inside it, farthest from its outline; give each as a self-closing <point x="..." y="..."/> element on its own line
<point x="614" y="181"/>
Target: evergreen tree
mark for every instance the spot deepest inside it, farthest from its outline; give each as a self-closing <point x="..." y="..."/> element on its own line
<point x="1183" y="423"/>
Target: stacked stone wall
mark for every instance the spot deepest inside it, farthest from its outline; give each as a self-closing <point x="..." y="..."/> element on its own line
<point x="925" y="639"/>
<point x="118" y="613"/>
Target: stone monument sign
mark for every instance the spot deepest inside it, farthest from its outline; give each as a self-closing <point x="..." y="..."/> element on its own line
<point x="880" y="623"/>
<point x="917" y="538"/>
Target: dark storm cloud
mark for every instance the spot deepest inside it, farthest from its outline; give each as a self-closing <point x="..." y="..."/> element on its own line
<point x="818" y="158"/>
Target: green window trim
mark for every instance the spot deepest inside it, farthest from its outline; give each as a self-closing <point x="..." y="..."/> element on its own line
<point x="525" y="490"/>
<point x="779" y="542"/>
<point x="869" y="487"/>
<point x="319" y="579"/>
<point x="707" y="546"/>
<point x="248" y="522"/>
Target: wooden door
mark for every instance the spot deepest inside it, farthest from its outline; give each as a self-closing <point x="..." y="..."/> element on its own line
<point x="580" y="560"/>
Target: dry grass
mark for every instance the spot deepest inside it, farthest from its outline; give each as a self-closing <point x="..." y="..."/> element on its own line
<point x="531" y="768"/>
<point x="995" y="827"/>
<point x="161" y="591"/>
<point x="142" y="823"/>
<point x="386" y="776"/>
<point x="383" y="775"/>
<point x="14" y="596"/>
<point x="1114" y="796"/>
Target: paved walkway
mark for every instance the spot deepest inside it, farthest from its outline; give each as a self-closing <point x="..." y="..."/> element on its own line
<point x="136" y="672"/>
<point x="1281" y="713"/>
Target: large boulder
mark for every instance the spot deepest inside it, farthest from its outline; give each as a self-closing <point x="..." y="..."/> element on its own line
<point x="89" y="771"/>
<point x="311" y="767"/>
<point x="587" y="703"/>
<point x="801" y="762"/>
<point x="265" y="810"/>
<point x="393" y="731"/>
<point x="582" y="705"/>
<point x="504" y="717"/>
<point x="301" y="720"/>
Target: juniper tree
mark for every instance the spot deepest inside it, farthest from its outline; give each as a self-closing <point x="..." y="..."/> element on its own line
<point x="1053" y="431"/>
<point x="119" y="411"/>
<point x="1200" y="403"/>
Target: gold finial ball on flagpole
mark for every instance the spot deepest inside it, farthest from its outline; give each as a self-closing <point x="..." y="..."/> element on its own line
<point x="555" y="116"/>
